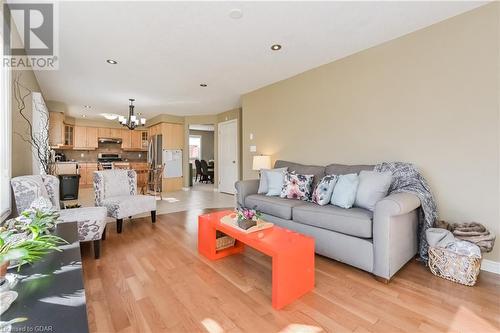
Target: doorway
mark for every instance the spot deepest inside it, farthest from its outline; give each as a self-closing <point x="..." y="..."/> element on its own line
<point x="202" y="156"/>
<point x="228" y="164"/>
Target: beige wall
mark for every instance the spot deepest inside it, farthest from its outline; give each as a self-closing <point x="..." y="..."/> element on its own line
<point x="430" y="98"/>
<point x="22" y="156"/>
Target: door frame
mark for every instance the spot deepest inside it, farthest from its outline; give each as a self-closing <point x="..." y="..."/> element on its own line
<point x="219" y="144"/>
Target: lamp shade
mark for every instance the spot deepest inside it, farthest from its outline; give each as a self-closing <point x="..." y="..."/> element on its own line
<point x="261" y="162"/>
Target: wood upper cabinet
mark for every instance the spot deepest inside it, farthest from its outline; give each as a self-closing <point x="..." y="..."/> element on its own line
<point x="173" y="136"/>
<point x="136" y="139"/>
<point x="126" y="138"/>
<point x="80" y="134"/>
<point x="133" y="140"/>
<point x="92" y="137"/>
<point x="85" y="137"/>
<point x="69" y="135"/>
<point x="115" y="133"/>
<point x="56" y="129"/>
<point x="103" y="132"/>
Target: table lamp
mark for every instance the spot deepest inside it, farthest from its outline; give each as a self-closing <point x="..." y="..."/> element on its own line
<point x="261" y="162"/>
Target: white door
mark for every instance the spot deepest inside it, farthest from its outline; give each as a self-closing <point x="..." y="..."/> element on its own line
<point x="228" y="156"/>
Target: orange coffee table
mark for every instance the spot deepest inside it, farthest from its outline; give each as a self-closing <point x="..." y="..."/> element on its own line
<point x="292" y="254"/>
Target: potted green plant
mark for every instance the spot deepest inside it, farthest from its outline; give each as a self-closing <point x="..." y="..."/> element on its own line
<point x="27" y="238"/>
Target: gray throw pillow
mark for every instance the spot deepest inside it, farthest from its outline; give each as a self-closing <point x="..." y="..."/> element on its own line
<point x="263" y="187"/>
<point x="373" y="187"/>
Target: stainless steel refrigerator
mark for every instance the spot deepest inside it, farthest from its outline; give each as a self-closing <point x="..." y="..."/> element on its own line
<point x="155" y="151"/>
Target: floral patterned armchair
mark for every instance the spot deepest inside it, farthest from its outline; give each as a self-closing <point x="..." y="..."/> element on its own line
<point x="117" y="191"/>
<point x="91" y="220"/>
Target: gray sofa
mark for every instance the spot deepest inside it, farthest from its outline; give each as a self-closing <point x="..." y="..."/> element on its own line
<point x="380" y="242"/>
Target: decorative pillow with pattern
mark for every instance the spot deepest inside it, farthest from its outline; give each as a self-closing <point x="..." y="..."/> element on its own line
<point x="297" y="186"/>
<point x="323" y="192"/>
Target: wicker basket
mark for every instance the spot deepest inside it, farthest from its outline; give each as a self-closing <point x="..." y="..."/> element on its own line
<point x="454" y="267"/>
<point x="223" y="241"/>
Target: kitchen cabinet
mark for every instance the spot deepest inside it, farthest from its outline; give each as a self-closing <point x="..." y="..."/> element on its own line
<point x="173" y="136"/>
<point x="133" y="140"/>
<point x="56" y="128"/>
<point x="136" y="139"/>
<point x="85" y="138"/>
<point x="126" y="139"/>
<point x="144" y="138"/>
<point x="69" y="135"/>
<point x="106" y="132"/>
<point x="86" y="170"/>
<point x="115" y="133"/>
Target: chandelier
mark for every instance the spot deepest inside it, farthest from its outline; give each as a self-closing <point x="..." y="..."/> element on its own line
<point x="132" y="121"/>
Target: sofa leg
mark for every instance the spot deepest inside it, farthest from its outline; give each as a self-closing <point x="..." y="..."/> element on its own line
<point x="103" y="237"/>
<point x="382" y="280"/>
<point x="153" y="216"/>
<point x="97" y="248"/>
<point x="119" y="224"/>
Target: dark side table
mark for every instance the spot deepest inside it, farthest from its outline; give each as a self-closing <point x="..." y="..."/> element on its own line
<point x="51" y="292"/>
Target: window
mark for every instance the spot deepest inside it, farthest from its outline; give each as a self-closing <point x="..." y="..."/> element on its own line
<point x="5" y="141"/>
<point x="194" y="147"/>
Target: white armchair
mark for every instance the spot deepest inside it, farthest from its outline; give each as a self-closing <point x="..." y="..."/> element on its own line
<point x="91" y="220"/>
<point x="117" y="191"/>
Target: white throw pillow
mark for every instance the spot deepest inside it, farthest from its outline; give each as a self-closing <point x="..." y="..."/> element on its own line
<point x="263" y="187"/>
<point x="275" y="181"/>
<point x="344" y="192"/>
<point x="373" y="187"/>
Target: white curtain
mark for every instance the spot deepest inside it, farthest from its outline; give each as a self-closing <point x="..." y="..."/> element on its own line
<point x="40" y="128"/>
<point x="5" y="141"/>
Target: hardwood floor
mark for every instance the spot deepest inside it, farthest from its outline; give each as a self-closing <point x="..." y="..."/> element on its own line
<point x="150" y="278"/>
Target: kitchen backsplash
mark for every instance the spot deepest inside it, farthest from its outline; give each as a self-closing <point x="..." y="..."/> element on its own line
<point x="91" y="155"/>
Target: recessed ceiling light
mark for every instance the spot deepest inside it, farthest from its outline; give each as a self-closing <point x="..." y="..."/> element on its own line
<point x="203" y="85"/>
<point x="111" y="61"/>
<point x="276" y="47"/>
<point x="84" y="116"/>
<point x="236" y="13"/>
<point x="87" y="106"/>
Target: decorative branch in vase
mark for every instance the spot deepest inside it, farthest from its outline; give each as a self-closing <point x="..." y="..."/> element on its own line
<point x="36" y="136"/>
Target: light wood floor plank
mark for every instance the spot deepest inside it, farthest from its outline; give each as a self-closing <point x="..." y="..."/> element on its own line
<point x="151" y="278"/>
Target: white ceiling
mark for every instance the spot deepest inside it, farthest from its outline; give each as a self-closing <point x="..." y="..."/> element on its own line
<point x="166" y="49"/>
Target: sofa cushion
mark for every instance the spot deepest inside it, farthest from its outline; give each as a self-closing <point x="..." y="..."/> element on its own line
<point x="343" y="169"/>
<point x="355" y="221"/>
<point x="129" y="205"/>
<point x="317" y="171"/>
<point x="275" y="206"/>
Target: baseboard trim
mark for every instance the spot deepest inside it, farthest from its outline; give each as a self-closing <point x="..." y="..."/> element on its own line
<point x="490" y="266"/>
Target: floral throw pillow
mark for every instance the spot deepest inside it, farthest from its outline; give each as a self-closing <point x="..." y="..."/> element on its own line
<point x="297" y="186"/>
<point x="323" y="192"/>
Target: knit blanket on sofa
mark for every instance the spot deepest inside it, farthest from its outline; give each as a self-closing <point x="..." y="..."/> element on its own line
<point x="407" y="178"/>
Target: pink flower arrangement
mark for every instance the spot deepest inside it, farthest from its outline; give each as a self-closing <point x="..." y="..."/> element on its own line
<point x="248" y="214"/>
